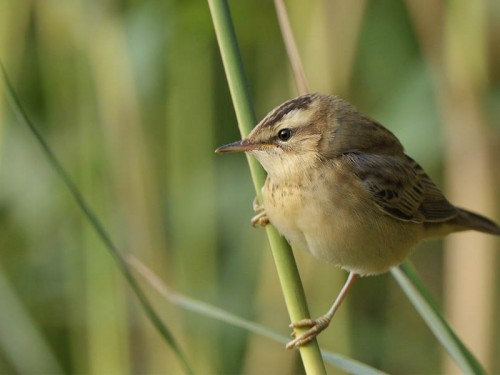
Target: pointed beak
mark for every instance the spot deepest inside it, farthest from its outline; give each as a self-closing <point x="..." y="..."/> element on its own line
<point x="239" y="146"/>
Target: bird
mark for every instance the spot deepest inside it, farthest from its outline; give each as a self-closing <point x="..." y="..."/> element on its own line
<point x="340" y="186"/>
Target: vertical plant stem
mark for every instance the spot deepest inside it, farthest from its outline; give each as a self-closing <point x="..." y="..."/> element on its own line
<point x="285" y="263"/>
<point x="291" y="48"/>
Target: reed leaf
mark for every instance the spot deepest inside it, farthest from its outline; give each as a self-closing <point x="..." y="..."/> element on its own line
<point x="88" y="213"/>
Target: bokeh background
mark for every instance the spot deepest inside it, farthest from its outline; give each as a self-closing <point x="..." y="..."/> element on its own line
<point x="132" y="97"/>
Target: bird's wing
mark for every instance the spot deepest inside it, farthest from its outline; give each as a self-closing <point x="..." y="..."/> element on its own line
<point x="401" y="188"/>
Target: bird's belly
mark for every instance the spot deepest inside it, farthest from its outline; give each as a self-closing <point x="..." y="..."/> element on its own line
<point x="347" y="233"/>
<point x="365" y="247"/>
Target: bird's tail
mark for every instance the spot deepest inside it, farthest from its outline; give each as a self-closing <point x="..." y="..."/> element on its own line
<point x="467" y="220"/>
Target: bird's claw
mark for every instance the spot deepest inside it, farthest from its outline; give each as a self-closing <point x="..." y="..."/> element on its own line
<point x="261" y="218"/>
<point x="315" y="327"/>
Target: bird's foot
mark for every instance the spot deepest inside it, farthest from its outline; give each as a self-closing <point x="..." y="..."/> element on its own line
<point x="315" y="327"/>
<point x="261" y="218"/>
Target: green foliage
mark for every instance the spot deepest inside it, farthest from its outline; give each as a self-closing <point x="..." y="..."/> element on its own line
<point x="133" y="100"/>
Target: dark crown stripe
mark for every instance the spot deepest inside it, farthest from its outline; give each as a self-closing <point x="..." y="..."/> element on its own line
<point x="302" y="102"/>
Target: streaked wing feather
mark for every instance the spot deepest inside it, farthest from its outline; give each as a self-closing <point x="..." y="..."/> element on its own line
<point x="435" y="206"/>
<point x="401" y="188"/>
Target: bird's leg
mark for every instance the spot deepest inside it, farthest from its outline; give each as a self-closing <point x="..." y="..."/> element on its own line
<point x="260" y="219"/>
<point x="319" y="324"/>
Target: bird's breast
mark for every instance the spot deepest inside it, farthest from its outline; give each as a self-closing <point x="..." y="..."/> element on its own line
<point x="331" y="215"/>
<point x="284" y="204"/>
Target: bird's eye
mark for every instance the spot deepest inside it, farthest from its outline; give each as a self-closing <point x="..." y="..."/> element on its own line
<point x="284" y="134"/>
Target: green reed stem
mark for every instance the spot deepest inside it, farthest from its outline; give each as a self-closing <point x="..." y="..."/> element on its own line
<point x="285" y="263"/>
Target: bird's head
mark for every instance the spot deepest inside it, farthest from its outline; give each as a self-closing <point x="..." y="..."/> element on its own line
<point x="303" y="131"/>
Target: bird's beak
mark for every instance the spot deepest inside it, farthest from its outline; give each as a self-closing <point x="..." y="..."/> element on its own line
<point x="239" y="146"/>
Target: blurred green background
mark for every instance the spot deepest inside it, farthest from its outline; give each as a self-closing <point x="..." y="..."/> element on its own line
<point x="132" y="97"/>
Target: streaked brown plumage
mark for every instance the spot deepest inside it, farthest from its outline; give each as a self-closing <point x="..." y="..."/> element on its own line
<point x="340" y="186"/>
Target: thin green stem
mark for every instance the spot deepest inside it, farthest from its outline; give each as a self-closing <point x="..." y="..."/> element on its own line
<point x="285" y="263"/>
<point x="408" y="279"/>
<point x="346" y="364"/>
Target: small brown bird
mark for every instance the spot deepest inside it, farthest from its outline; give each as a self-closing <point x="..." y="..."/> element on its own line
<point x="340" y="186"/>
